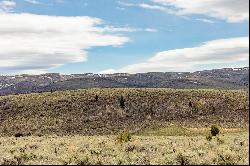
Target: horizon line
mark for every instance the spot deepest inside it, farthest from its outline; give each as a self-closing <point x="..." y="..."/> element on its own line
<point x="246" y="67"/>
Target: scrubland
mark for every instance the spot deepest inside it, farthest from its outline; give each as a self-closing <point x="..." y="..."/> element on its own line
<point x="165" y="126"/>
<point x="225" y="149"/>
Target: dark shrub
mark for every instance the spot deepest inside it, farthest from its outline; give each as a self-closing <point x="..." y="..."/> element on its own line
<point x="190" y="104"/>
<point x="214" y="130"/>
<point x="213" y="110"/>
<point x="96" y="97"/>
<point x="19" y="134"/>
<point x="182" y="160"/>
<point x="122" y="102"/>
<point x="28" y="134"/>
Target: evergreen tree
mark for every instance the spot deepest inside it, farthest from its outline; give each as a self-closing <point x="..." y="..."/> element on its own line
<point x="122" y="102"/>
<point x="96" y="97"/>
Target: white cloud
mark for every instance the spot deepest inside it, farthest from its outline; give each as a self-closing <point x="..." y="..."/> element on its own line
<point x="7" y="6"/>
<point x="109" y="71"/>
<point x="205" y="20"/>
<point x="127" y="29"/>
<point x="151" y="30"/>
<point x="120" y="8"/>
<point x="126" y="3"/>
<point x="221" y="53"/>
<point x="152" y="7"/>
<point x="229" y="10"/>
<point x="37" y="42"/>
<point x="146" y="6"/>
<point x="33" y="1"/>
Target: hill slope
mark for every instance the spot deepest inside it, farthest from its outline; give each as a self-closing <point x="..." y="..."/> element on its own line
<point x="80" y="112"/>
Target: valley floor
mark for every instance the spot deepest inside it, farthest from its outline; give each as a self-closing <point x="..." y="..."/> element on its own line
<point x="225" y="148"/>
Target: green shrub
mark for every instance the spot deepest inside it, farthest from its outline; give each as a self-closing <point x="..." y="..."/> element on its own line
<point x="83" y="161"/>
<point x="209" y="137"/>
<point x="125" y="136"/>
<point x="194" y="110"/>
<point x="220" y="141"/>
<point x="182" y="160"/>
<point x="19" y="159"/>
<point x="214" y="130"/>
<point x="10" y="162"/>
<point x="225" y="159"/>
<point x="198" y="105"/>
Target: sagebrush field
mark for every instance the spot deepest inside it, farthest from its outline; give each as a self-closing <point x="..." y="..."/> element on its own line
<point x="225" y="149"/>
<point x="162" y="126"/>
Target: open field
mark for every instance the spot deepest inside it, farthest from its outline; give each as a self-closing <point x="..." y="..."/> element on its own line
<point x="230" y="148"/>
<point x="166" y="126"/>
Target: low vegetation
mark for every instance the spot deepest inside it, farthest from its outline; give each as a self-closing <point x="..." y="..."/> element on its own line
<point x="164" y="150"/>
<point x="124" y="136"/>
<point x="82" y="112"/>
<point x="125" y="126"/>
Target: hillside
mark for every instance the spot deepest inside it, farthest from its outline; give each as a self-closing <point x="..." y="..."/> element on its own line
<point x="228" y="78"/>
<point x="81" y="112"/>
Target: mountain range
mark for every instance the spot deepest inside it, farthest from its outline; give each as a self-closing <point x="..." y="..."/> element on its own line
<point x="227" y="78"/>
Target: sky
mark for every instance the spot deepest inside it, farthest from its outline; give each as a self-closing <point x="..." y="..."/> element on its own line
<point x="122" y="36"/>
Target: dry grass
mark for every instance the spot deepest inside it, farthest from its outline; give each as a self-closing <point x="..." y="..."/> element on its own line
<point x="229" y="148"/>
<point x="174" y="130"/>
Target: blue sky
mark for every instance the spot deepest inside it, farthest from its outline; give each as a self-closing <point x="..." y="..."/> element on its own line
<point x="144" y="36"/>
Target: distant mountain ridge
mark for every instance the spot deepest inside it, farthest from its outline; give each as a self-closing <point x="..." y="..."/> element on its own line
<point x="227" y="78"/>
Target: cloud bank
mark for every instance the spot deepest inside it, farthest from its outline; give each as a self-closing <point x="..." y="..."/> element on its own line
<point x="220" y="52"/>
<point x="37" y="42"/>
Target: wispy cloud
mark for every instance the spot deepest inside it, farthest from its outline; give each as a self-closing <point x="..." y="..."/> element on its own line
<point x="229" y="10"/>
<point x="37" y="42"/>
<point x="220" y="52"/>
<point x="33" y="1"/>
<point x="152" y="7"/>
<point x="120" y="8"/>
<point x="127" y="29"/>
<point x="145" y="6"/>
<point x="126" y="4"/>
<point x="205" y="20"/>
